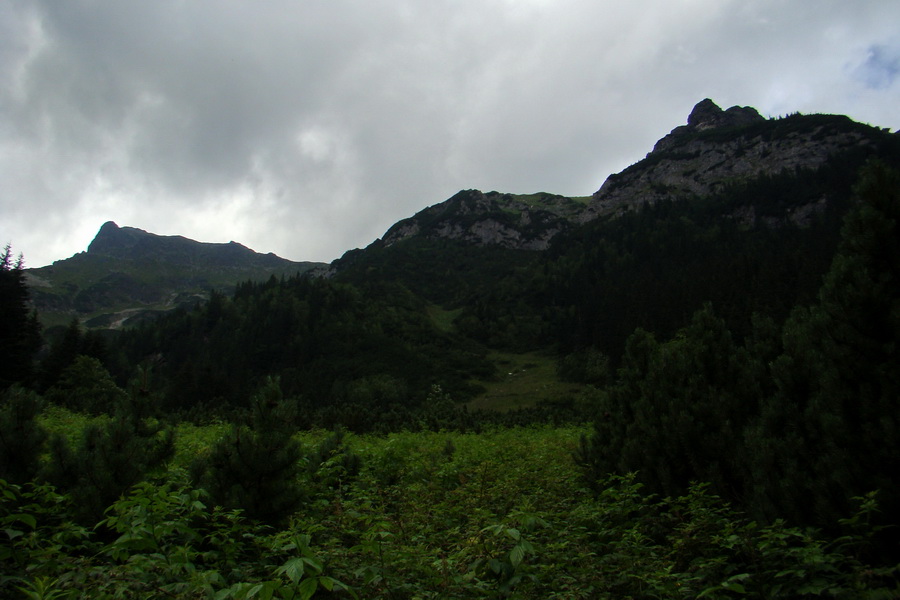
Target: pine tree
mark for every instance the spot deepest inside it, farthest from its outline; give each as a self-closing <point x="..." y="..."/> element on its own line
<point x="608" y="449"/>
<point x="19" y="327"/>
<point x="678" y="411"/>
<point x="257" y="468"/>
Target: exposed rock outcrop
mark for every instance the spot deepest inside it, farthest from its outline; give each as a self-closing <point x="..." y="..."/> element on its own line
<point x="718" y="147"/>
<point x="506" y="220"/>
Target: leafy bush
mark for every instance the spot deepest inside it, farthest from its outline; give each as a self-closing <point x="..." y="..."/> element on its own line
<point x="499" y="514"/>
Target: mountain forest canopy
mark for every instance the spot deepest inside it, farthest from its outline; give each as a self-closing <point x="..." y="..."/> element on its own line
<point x="701" y="357"/>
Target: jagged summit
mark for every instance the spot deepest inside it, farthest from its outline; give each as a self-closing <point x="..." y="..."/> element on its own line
<point x="112" y="239"/>
<point x="717" y="147"/>
<point x="707" y="113"/>
<point x="133" y="243"/>
<point x="128" y="273"/>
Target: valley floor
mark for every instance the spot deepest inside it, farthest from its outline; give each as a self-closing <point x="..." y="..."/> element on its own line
<point x="498" y="514"/>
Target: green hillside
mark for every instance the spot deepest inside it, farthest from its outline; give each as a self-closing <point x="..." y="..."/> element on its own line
<point x="128" y="274"/>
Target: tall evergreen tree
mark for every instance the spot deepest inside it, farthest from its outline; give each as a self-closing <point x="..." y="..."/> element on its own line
<point x="19" y="327"/>
<point x="61" y="354"/>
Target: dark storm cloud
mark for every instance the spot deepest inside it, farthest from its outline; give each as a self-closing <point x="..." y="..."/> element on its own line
<point x="309" y="128"/>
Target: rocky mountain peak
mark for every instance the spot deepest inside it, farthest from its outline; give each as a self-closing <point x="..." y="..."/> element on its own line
<point x="112" y="239"/>
<point x="524" y="222"/>
<point x="128" y="273"/>
<point x="718" y="146"/>
<point x="707" y="114"/>
<point x="715" y="149"/>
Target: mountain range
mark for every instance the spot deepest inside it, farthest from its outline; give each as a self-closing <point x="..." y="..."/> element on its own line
<point x="732" y="158"/>
<point x="128" y="274"/>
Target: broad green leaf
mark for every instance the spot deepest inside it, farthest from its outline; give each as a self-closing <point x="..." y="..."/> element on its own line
<point x="734" y="587"/>
<point x="293" y="569"/>
<point x="327" y="582"/>
<point x="516" y="555"/>
<point x="314" y="563"/>
<point x="27" y="519"/>
<point x="496" y="566"/>
<point x="308" y="588"/>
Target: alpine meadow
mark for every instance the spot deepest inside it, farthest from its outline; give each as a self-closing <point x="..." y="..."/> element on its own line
<point x="685" y="385"/>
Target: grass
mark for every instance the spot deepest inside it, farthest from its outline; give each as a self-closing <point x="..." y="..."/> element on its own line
<point x="61" y="421"/>
<point x="443" y="318"/>
<point x="540" y="198"/>
<point x="523" y="381"/>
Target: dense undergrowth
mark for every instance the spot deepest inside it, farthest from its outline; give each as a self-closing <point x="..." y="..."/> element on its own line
<point x="499" y="514"/>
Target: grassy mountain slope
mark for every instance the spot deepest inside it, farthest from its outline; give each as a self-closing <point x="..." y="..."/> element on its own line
<point x="128" y="273"/>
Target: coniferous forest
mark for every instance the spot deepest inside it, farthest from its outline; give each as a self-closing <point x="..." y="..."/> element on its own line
<point x="731" y="425"/>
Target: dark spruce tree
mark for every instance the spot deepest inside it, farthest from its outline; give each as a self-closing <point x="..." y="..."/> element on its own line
<point x="20" y="335"/>
<point x="257" y="468"/>
<point x="677" y="411"/>
<point x="21" y="437"/>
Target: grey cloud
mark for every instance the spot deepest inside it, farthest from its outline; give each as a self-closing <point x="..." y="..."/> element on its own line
<point x="881" y="67"/>
<point x="309" y="128"/>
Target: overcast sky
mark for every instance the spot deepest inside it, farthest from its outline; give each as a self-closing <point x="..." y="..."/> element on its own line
<point x="308" y="127"/>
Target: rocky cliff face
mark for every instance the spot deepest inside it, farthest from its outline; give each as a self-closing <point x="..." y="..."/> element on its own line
<point x="718" y="147"/>
<point x="525" y="222"/>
